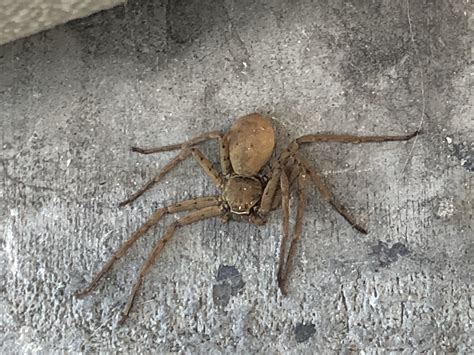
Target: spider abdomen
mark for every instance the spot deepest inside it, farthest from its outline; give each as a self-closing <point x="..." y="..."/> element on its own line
<point x="251" y="143"/>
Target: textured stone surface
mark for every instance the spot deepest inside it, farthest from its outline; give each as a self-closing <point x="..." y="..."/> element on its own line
<point x="74" y="98"/>
<point x="19" y="18"/>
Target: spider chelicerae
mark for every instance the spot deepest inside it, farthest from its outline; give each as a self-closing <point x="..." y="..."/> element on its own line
<point x="247" y="193"/>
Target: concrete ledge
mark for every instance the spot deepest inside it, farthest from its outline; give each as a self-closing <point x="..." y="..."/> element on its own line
<point x="20" y="18"/>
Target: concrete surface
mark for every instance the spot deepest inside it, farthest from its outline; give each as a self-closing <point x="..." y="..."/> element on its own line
<point x="73" y="99"/>
<point x="20" y="18"/>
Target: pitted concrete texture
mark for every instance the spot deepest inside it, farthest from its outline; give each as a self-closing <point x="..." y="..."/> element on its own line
<point x="20" y="18"/>
<point x="75" y="98"/>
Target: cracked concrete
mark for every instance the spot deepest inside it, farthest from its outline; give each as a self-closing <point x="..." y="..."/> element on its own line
<point x="74" y="98"/>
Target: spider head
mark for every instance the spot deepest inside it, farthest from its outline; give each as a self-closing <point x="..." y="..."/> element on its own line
<point x="242" y="193"/>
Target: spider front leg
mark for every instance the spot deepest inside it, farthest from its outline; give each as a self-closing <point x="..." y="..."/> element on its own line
<point x="196" y="203"/>
<point x="208" y="212"/>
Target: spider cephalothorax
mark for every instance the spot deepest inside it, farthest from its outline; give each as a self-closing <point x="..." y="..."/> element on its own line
<point x="241" y="194"/>
<point x="245" y="150"/>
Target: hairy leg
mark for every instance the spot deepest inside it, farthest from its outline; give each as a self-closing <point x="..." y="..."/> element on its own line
<point x="288" y="264"/>
<point x="192" y="142"/>
<point x="270" y="191"/>
<point x="205" y="164"/>
<point x="285" y="206"/>
<point x="224" y="155"/>
<point x="282" y="163"/>
<point x="274" y="197"/>
<point x="195" y="203"/>
<point x="207" y="212"/>
<point x="347" y="138"/>
<point x="168" y="167"/>
<point x="292" y="174"/>
<point x="327" y="194"/>
<point x="223" y="148"/>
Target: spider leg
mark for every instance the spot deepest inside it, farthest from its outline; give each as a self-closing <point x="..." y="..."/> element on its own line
<point x="223" y="148"/>
<point x="168" y="167"/>
<point x="196" y="203"/>
<point x="224" y="155"/>
<point x="283" y="162"/>
<point x="271" y="197"/>
<point x="292" y="174"/>
<point x="346" y="138"/>
<point x="327" y="194"/>
<point x="205" y="164"/>
<point x="207" y="212"/>
<point x="276" y="198"/>
<point x="292" y="151"/>
<point x="196" y="140"/>
<point x="285" y="267"/>
<point x="269" y="191"/>
<point x="285" y="206"/>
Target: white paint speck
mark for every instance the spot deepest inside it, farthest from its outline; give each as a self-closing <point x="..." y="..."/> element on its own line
<point x="449" y="140"/>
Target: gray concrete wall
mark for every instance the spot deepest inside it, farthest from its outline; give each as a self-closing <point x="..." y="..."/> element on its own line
<point x="73" y="99"/>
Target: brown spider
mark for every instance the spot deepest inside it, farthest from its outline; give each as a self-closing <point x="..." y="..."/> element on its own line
<point x="247" y="195"/>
